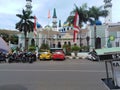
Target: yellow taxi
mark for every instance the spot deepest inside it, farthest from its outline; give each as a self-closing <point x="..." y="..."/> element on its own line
<point x="45" y="55"/>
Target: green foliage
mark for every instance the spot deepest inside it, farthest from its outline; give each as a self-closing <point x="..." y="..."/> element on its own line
<point x="44" y="47"/>
<point x="75" y="48"/>
<point x="5" y="36"/>
<point x="90" y="14"/>
<point x="84" y="48"/>
<point x="12" y="38"/>
<point x="67" y="48"/>
<point x="96" y="12"/>
<point x="31" y="48"/>
<point x="25" y="24"/>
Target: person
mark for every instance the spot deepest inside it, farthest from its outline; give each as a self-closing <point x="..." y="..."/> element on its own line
<point x="94" y="51"/>
<point x="94" y="55"/>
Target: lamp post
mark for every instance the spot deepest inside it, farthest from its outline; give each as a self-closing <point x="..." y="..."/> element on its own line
<point x="88" y="39"/>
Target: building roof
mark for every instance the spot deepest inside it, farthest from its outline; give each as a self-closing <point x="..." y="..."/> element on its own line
<point x="8" y="31"/>
<point x="82" y="31"/>
<point x="114" y="27"/>
<point x="50" y="32"/>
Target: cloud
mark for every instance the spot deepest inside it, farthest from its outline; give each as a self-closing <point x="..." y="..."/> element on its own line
<point x="40" y="8"/>
<point x="10" y="8"/>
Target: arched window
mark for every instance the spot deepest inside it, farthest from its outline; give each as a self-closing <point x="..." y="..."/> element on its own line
<point x="69" y="43"/>
<point x="59" y="45"/>
<point x="33" y="42"/>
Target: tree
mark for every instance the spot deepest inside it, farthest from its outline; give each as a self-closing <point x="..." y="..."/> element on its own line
<point x="94" y="14"/>
<point x="14" y="39"/>
<point x="75" y="49"/>
<point x="67" y="48"/>
<point x="83" y="14"/>
<point x="8" y="37"/>
<point x="25" y="24"/>
<point x="44" y="47"/>
<point x="87" y="14"/>
<point x="83" y="17"/>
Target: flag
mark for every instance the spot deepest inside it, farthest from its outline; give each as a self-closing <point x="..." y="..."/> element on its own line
<point x="35" y="27"/>
<point x="49" y="14"/>
<point x="76" y="26"/>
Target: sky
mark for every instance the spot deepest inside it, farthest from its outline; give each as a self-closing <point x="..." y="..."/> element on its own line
<point x="40" y="8"/>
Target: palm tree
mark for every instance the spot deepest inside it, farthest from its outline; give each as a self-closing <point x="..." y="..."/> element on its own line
<point x="83" y="14"/>
<point x="83" y="17"/>
<point x="25" y="24"/>
<point x="94" y="14"/>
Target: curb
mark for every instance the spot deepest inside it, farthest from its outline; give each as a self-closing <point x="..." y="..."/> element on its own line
<point x="75" y="57"/>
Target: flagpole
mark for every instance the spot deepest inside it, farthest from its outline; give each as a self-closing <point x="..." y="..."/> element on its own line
<point x="35" y="30"/>
<point x="48" y="27"/>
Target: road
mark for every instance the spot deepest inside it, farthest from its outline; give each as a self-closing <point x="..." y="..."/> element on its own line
<point x="53" y="75"/>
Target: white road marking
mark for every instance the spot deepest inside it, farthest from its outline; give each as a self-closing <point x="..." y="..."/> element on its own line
<point x="23" y="70"/>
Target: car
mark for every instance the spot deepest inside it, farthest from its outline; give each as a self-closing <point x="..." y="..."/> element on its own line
<point x="58" y="55"/>
<point x="45" y="56"/>
<point x="52" y="50"/>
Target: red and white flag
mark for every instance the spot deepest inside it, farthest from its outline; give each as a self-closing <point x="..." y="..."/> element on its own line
<point x="49" y="14"/>
<point x="76" y="27"/>
<point x="35" y="27"/>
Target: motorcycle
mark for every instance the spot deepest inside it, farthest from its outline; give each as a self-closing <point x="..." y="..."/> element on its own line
<point x="93" y="56"/>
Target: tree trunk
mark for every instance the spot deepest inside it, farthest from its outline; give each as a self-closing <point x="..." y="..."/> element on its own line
<point x="26" y="43"/>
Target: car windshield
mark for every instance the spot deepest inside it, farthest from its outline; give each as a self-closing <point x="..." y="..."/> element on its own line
<point x="44" y="52"/>
<point x="58" y="52"/>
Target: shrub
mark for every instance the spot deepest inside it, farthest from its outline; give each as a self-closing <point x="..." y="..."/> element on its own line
<point x="31" y="48"/>
<point x="75" y="48"/>
<point x="44" y="47"/>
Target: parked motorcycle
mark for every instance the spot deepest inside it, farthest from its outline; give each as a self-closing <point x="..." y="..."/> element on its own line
<point x="93" y="56"/>
<point x="2" y="57"/>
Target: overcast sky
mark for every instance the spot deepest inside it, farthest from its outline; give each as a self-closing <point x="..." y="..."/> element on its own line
<point x="40" y="8"/>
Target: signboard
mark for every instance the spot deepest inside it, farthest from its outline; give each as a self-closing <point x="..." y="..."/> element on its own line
<point x="116" y="64"/>
<point x="116" y="68"/>
<point x="112" y="38"/>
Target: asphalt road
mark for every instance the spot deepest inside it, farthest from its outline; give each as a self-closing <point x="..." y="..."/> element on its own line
<point x="53" y="75"/>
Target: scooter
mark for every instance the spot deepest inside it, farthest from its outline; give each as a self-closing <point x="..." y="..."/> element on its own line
<point x="93" y="56"/>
